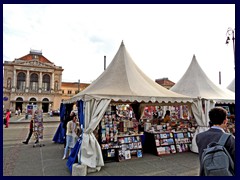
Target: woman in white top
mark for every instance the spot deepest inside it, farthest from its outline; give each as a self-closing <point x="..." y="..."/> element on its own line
<point x="71" y="136"/>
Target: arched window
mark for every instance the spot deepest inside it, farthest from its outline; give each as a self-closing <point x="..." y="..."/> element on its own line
<point x="21" y="81"/>
<point x="45" y="99"/>
<point x="33" y="100"/>
<point x="9" y="83"/>
<point x="34" y="82"/>
<point x="56" y="86"/>
<point x="19" y="99"/>
<point x="46" y="83"/>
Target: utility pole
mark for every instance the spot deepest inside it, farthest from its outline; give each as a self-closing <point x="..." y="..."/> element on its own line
<point x="78" y="85"/>
<point x="220" y="77"/>
<point x="104" y="63"/>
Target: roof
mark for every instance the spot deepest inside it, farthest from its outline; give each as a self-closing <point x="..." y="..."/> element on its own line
<point x="195" y="83"/>
<point x="164" y="82"/>
<point x="124" y="81"/>
<point x="38" y="55"/>
<point x="231" y="86"/>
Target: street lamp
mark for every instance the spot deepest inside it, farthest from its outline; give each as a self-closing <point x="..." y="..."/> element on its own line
<point x="231" y="32"/>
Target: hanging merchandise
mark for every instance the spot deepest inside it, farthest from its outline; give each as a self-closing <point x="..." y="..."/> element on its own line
<point x="38" y="127"/>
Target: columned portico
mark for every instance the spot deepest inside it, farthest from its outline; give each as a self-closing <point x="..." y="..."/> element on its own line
<point x="32" y="76"/>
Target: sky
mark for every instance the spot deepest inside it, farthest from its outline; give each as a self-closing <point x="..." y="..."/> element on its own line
<point x="160" y="38"/>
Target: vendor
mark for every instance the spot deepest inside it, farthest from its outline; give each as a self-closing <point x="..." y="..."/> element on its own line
<point x="167" y="117"/>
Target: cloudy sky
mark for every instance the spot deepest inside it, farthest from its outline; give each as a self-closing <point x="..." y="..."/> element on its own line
<point x="160" y="38"/>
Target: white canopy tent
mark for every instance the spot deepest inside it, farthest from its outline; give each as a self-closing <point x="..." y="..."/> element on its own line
<point x="231" y="86"/>
<point x="122" y="81"/>
<point x="196" y="84"/>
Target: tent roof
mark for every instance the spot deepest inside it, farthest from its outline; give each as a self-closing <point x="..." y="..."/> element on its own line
<point x="195" y="83"/>
<point x="231" y="86"/>
<point x="124" y="81"/>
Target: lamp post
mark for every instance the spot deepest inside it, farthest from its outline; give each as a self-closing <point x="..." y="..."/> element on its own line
<point x="231" y="33"/>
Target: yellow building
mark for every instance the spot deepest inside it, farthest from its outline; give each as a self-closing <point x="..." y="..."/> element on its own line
<point x="70" y="89"/>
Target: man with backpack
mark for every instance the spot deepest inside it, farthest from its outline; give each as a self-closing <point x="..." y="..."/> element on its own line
<point x="217" y="157"/>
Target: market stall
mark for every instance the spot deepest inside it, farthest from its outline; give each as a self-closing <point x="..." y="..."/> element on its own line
<point x="196" y="84"/>
<point x="122" y="82"/>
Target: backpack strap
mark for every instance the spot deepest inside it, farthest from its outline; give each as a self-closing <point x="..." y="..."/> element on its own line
<point x="223" y="139"/>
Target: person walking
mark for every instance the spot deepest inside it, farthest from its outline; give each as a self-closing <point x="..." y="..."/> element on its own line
<point x="7" y="117"/>
<point x="19" y="111"/>
<point x="30" y="132"/>
<point x="71" y="136"/>
<point x="218" y="122"/>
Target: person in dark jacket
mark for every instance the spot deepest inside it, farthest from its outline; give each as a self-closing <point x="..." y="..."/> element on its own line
<point x="30" y="132"/>
<point x="218" y="122"/>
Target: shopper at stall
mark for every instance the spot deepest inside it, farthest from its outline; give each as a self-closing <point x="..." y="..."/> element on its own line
<point x="167" y="117"/>
<point x="65" y="125"/>
<point x="160" y="113"/>
<point x="71" y="136"/>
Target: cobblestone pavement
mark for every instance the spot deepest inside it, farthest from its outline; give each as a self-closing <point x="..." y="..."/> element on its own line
<point x="24" y="160"/>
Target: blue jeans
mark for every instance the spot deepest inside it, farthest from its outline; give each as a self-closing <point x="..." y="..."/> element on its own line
<point x="69" y="144"/>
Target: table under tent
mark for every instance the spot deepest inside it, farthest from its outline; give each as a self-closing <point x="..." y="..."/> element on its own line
<point x="206" y="95"/>
<point x="121" y="82"/>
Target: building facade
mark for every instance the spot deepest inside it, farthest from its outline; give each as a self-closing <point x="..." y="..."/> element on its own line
<point x="32" y="79"/>
<point x="165" y="82"/>
<point x="70" y="89"/>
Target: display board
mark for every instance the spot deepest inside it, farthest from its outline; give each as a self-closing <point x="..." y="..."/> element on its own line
<point x="165" y="143"/>
<point x="118" y="135"/>
<point x="38" y="125"/>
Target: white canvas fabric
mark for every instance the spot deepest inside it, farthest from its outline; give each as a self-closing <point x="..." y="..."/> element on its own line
<point x="91" y="154"/>
<point x="196" y="84"/>
<point x="231" y="86"/>
<point x="124" y="81"/>
<point x="201" y="118"/>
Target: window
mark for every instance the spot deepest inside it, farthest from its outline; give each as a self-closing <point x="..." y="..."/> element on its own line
<point x="69" y="92"/>
<point x="62" y="91"/>
<point x="33" y="101"/>
<point x="19" y="99"/>
<point x="35" y="56"/>
<point x="45" y="100"/>
<point x="21" y="81"/>
<point x="46" y="83"/>
<point x="76" y="92"/>
<point x="34" y="82"/>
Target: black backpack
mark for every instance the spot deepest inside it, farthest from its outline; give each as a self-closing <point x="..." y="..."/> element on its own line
<point x="216" y="161"/>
